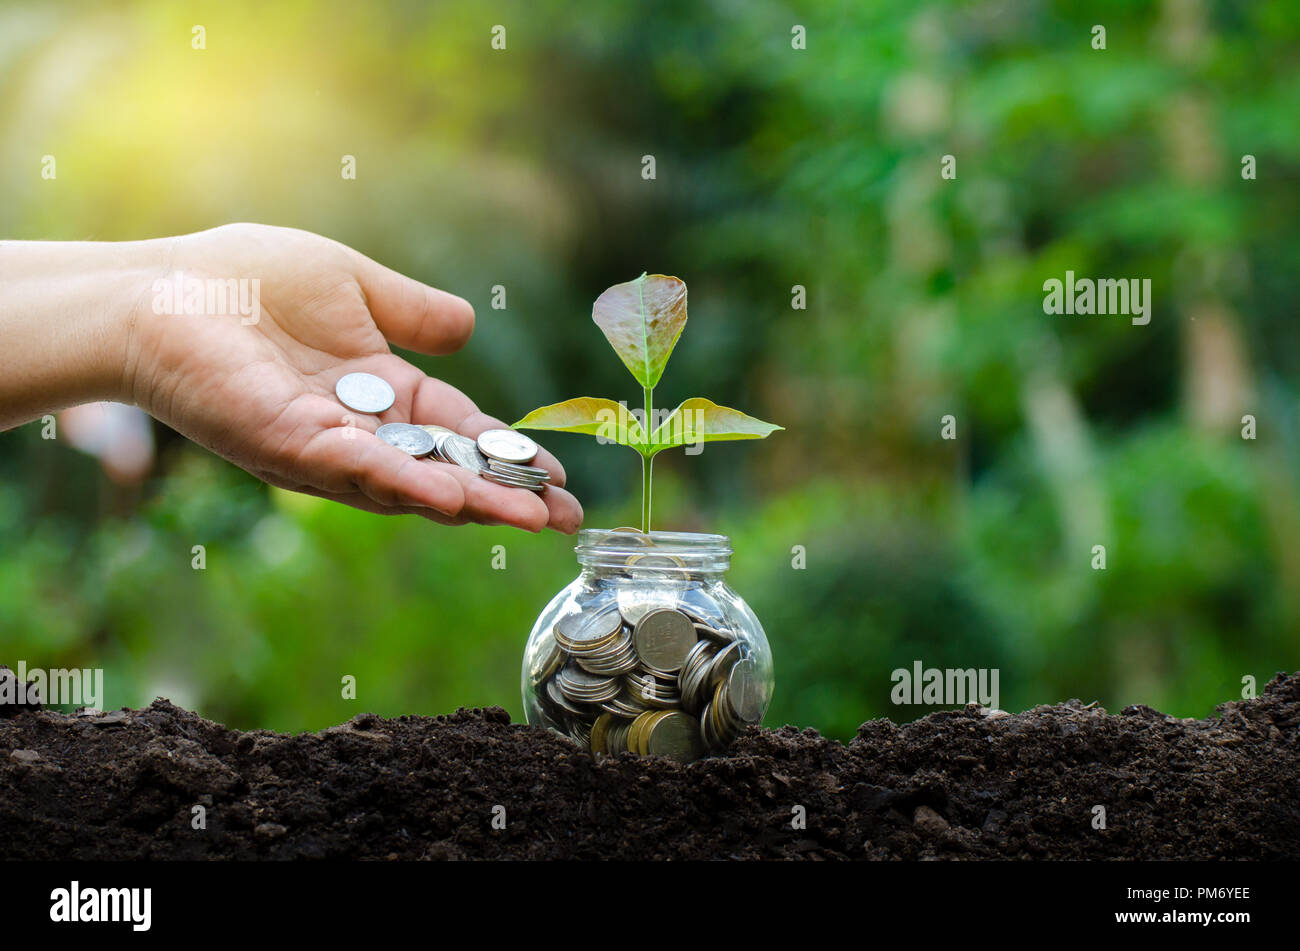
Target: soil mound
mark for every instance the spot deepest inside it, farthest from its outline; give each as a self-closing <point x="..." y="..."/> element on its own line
<point x="960" y="784"/>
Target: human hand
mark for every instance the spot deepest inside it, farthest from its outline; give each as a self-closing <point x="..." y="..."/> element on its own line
<point x="259" y="390"/>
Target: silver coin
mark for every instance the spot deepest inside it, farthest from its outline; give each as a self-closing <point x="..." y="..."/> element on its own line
<point x="610" y="667"/>
<point x="509" y="482"/>
<point x="412" y="440"/>
<point x="507" y="445"/>
<point x="624" y="705"/>
<point x="584" y="687"/>
<point x="745" y="692"/>
<point x="723" y="663"/>
<point x="715" y="635"/>
<point x="588" y="627"/>
<point x="439" y="444"/>
<point x="701" y="608"/>
<point x="635" y="601"/>
<point x="364" y="392"/>
<point x="557" y="697"/>
<point x="692" y="675"/>
<point x="462" y="451"/>
<point x="663" y="637"/>
<point x="549" y="659"/>
<point x="509" y="468"/>
<point x="506" y="477"/>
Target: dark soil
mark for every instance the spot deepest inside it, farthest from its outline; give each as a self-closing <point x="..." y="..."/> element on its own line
<point x="952" y="785"/>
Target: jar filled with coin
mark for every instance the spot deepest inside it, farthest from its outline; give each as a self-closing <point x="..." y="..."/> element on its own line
<point x="648" y="650"/>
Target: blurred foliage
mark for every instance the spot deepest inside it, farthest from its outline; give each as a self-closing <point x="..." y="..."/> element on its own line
<point x="775" y="167"/>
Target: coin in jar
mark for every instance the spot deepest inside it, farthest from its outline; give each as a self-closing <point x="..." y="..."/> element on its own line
<point x="675" y="735"/>
<point x="663" y="637"/>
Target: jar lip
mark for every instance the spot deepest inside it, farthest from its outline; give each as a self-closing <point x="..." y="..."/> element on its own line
<point x="659" y="553"/>
<point x="622" y="541"/>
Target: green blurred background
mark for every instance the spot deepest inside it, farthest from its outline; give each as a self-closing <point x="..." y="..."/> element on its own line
<point x="775" y="167"/>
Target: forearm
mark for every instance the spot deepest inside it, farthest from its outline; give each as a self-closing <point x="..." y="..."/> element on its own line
<point x="66" y="315"/>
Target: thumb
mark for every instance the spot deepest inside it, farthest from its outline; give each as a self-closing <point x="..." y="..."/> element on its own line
<point x="414" y="315"/>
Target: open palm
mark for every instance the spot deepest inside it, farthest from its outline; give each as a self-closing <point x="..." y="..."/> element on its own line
<point x="261" y="393"/>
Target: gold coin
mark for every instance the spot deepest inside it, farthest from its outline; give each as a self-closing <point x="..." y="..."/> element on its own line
<point x="632" y="730"/>
<point x="721" y="725"/>
<point x="641" y="537"/>
<point x="656" y="561"/>
<point x="624" y="539"/>
<point x="600" y="732"/>
<point x="706" y="727"/>
<point x="643" y="737"/>
<point x="675" y="735"/>
<point x="637" y="728"/>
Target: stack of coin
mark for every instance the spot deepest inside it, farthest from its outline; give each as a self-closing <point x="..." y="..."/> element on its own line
<point x="617" y="658"/>
<point x="706" y="667"/>
<point x="609" y="735"/>
<point x="652" y="679"/>
<point x="736" y="701"/>
<point x="498" y="455"/>
<point x="597" y="642"/>
<point x="582" y="686"/>
<point x="666" y="733"/>
<point x="481" y="456"/>
<point x="654" y="689"/>
<point x="580" y="733"/>
<point x="555" y="694"/>
<point x="625" y="705"/>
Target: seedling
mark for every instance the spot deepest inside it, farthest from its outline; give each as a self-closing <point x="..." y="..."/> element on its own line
<point x="642" y="320"/>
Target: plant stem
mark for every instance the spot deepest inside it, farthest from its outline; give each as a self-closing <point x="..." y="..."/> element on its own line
<point x="647" y="466"/>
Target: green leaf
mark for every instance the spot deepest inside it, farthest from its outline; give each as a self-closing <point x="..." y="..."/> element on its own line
<point x="592" y="415"/>
<point x="642" y="320"/>
<point x="699" y="420"/>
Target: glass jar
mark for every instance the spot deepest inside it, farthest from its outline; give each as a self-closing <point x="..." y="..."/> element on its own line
<point x="648" y="650"/>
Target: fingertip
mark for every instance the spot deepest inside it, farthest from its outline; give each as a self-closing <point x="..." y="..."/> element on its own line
<point x="462" y="316"/>
<point x="565" y="510"/>
<point x="539" y="515"/>
<point x="412" y="314"/>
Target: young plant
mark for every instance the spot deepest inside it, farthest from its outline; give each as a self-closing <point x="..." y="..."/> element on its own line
<point x="642" y="320"/>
